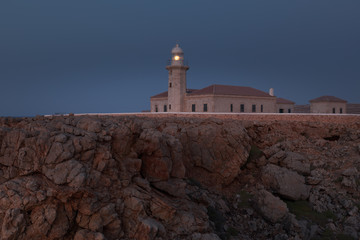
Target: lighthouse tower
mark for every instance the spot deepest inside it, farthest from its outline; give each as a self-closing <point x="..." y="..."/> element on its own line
<point x="177" y="80"/>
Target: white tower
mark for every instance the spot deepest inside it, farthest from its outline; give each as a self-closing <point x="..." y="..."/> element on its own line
<point x="177" y="80"/>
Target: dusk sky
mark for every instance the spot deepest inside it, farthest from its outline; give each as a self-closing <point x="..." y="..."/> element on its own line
<point x="87" y="56"/>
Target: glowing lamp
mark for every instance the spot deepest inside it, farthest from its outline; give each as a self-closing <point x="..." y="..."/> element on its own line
<point x="176" y="58"/>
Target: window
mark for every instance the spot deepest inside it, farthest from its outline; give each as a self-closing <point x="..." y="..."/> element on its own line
<point x="242" y="108"/>
<point x="281" y="110"/>
<point x="156" y="108"/>
<point x="253" y="108"/>
<point x="193" y="108"/>
<point x="165" y="108"/>
<point x="170" y="85"/>
<point x="169" y="106"/>
<point x="289" y="110"/>
<point x="205" y="107"/>
<point x="231" y="108"/>
<point x="334" y="110"/>
<point x="262" y="108"/>
<point x="341" y="110"/>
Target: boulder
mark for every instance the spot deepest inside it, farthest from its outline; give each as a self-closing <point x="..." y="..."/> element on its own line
<point x="285" y="182"/>
<point x="214" y="155"/>
<point x="350" y="172"/>
<point x="296" y="162"/>
<point x="71" y="172"/>
<point x="271" y="207"/>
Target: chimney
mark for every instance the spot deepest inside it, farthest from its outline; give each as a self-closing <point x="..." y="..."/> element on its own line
<point x="271" y="92"/>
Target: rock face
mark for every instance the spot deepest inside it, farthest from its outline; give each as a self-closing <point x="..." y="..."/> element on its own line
<point x="285" y="182"/>
<point x="128" y="177"/>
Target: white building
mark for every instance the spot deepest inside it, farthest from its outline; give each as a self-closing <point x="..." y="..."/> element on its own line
<point x="214" y="98"/>
<point x="328" y="104"/>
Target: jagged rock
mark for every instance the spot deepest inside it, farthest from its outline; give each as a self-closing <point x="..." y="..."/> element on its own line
<point x="313" y="180"/>
<point x="271" y="207"/>
<point x="162" y="210"/>
<point x="273" y="150"/>
<point x="296" y="162"/>
<point x="206" y="236"/>
<point x="143" y="183"/>
<point x="174" y="187"/>
<point x="71" y="172"/>
<point x="350" y="172"/>
<point x="214" y="156"/>
<point x="156" y="159"/>
<point x="162" y="177"/>
<point x="287" y="183"/>
<point x="279" y="156"/>
<point x="42" y="218"/>
<point x="349" y="182"/>
<point x="148" y="229"/>
<point x="261" y="161"/>
<point x="88" y="235"/>
<point x="351" y="232"/>
<point x="353" y="221"/>
<point x="13" y="225"/>
<point x="89" y="124"/>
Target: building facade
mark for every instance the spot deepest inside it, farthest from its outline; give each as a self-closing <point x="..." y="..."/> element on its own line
<point x="328" y="104"/>
<point x="284" y="106"/>
<point x="214" y="98"/>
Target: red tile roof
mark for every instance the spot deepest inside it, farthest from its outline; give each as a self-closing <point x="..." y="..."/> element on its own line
<point x="221" y="90"/>
<point x="161" y="95"/>
<point x="302" y="108"/>
<point x="165" y="94"/>
<point x="283" y="101"/>
<point x="328" y="99"/>
<point x="229" y="90"/>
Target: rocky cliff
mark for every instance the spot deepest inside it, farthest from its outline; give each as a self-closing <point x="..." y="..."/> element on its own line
<point x="180" y="177"/>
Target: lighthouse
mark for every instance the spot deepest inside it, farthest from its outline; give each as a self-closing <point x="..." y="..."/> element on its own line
<point x="177" y="80"/>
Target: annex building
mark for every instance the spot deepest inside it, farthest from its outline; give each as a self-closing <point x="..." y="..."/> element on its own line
<point x="214" y="98"/>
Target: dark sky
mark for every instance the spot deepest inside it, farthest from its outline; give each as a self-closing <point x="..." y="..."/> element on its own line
<point x="110" y="56"/>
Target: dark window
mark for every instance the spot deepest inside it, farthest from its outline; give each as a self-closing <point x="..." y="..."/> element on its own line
<point x="289" y="110"/>
<point x="205" y="107"/>
<point x="242" y="108"/>
<point x="170" y="85"/>
<point x="193" y="107"/>
<point x="169" y="106"/>
<point x="156" y="108"/>
<point x="262" y="108"/>
<point x="333" y="110"/>
<point x="341" y="110"/>
<point x="165" y="108"/>
<point x="231" y="108"/>
<point x="253" y="108"/>
<point x="281" y="110"/>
